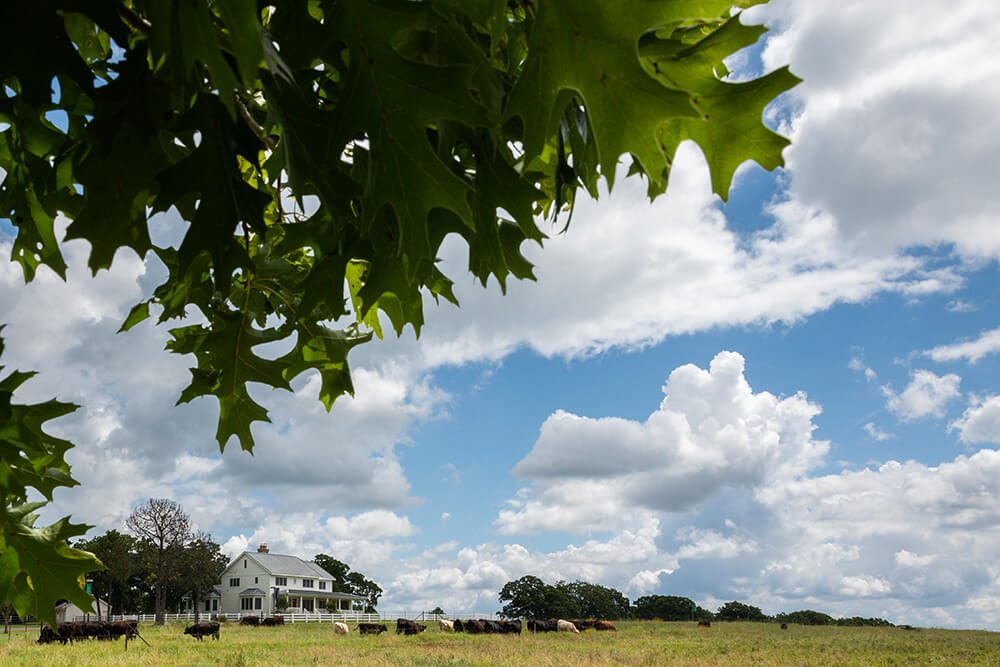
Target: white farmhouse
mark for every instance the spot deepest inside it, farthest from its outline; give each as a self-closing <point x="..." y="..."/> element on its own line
<point x="254" y="580"/>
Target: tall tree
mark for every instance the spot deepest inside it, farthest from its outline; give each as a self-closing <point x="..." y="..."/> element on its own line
<point x="117" y="552"/>
<point x="164" y="528"/>
<point x="337" y="570"/>
<point x="408" y="121"/>
<point x="525" y="598"/>
<point x="665" y="608"/>
<point x="596" y="601"/>
<point x="366" y="588"/>
<point x="202" y="563"/>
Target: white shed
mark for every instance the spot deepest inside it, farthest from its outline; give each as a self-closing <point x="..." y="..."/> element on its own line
<point x="67" y="611"/>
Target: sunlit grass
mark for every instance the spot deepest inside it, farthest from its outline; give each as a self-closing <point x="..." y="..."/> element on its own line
<point x="637" y="643"/>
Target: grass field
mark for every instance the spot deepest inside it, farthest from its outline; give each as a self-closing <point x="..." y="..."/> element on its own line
<point x="637" y="643"/>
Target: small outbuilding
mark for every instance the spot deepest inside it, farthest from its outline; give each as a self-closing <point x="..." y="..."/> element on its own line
<point x="68" y="612"/>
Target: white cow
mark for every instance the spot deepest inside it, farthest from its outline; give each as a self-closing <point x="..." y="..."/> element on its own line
<point x="340" y="628"/>
<point x="446" y="626"/>
<point x="566" y="626"/>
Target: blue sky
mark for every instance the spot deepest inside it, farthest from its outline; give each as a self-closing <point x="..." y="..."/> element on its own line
<point x="789" y="399"/>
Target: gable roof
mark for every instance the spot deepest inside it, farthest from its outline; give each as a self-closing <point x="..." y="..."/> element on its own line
<point x="284" y="566"/>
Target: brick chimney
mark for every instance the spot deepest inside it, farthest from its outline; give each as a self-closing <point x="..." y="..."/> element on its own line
<point x="262" y="549"/>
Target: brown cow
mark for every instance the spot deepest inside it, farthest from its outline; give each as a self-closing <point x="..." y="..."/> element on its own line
<point x="406" y="626"/>
<point x="250" y="620"/>
<point x="784" y="626"/>
<point x="605" y="626"/>
<point x="704" y="623"/>
<point x="371" y="628"/>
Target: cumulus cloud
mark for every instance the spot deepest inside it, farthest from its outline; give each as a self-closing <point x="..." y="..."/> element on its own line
<point x="876" y="135"/>
<point x="926" y="395"/>
<point x="980" y="422"/>
<point x="971" y="351"/>
<point x="711" y="431"/>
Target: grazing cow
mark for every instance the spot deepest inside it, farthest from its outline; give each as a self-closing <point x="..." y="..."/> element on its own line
<point x="566" y="626"/>
<point x="582" y="625"/>
<point x="48" y="635"/>
<point x="446" y="626"/>
<point x="457" y="624"/>
<point x="371" y="628"/>
<point x="199" y="630"/>
<point x="474" y="627"/>
<point x="542" y="626"/>
<point x="605" y="626"/>
<point x="250" y="620"/>
<point x="490" y="627"/>
<point x="408" y="627"/>
<point x="704" y="623"/>
<point x="273" y="620"/>
<point x="510" y="627"/>
<point x="784" y="626"/>
<point x="128" y="629"/>
<point x="340" y="628"/>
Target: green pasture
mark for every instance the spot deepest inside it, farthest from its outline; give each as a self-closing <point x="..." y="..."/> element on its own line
<point x="637" y="643"/>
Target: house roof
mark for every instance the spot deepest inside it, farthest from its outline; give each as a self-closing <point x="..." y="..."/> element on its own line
<point x="252" y="591"/>
<point x="284" y="566"/>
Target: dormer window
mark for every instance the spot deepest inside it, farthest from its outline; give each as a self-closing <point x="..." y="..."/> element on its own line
<point x="244" y="562"/>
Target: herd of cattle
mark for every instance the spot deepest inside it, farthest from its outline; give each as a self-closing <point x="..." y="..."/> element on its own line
<point x="129" y="629"/>
<point x="77" y="630"/>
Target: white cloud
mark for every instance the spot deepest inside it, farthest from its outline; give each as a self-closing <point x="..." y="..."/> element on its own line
<point x="875" y="433"/>
<point x="858" y="364"/>
<point x="971" y="351"/>
<point x="980" y="422"/>
<point x="878" y="142"/>
<point x="926" y="395"/>
<point x="711" y="431"/>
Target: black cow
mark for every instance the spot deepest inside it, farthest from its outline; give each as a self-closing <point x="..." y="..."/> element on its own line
<point x="405" y="626"/>
<point x="199" y="630"/>
<point x="273" y="620"/>
<point x="543" y="626"/>
<point x="704" y="623"/>
<point x="490" y="627"/>
<point x="510" y="627"/>
<point x="784" y="626"/>
<point x="250" y="620"/>
<point x="48" y="635"/>
<point x="373" y="628"/>
<point x="474" y="627"/>
<point x="458" y="625"/>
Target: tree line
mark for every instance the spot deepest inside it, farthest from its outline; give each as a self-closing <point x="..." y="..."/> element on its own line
<point x="160" y="559"/>
<point x="530" y="597"/>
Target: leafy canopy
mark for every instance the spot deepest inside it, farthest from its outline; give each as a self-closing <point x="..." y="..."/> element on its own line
<point x="315" y="154"/>
<point x="403" y="121"/>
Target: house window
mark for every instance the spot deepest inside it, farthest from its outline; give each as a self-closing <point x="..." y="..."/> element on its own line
<point x="207" y="603"/>
<point x="256" y="603"/>
<point x="215" y="605"/>
<point x="245" y="604"/>
<point x="307" y="605"/>
<point x="244" y="562"/>
<point x="234" y="582"/>
<point x="322" y="585"/>
<point x="255" y="580"/>
<point x="281" y="581"/>
<point x="307" y="583"/>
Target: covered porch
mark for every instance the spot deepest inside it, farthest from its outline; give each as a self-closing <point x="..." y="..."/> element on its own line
<point x="300" y="600"/>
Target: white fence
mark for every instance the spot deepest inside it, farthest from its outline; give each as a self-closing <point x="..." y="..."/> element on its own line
<point x="349" y="617"/>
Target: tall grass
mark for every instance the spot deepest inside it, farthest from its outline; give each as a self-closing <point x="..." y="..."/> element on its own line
<point x="636" y="643"/>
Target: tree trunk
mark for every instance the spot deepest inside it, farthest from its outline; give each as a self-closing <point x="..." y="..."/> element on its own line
<point x="196" y="595"/>
<point x="159" y="619"/>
